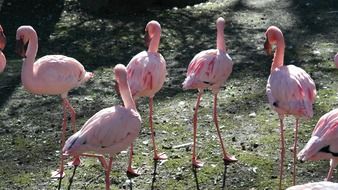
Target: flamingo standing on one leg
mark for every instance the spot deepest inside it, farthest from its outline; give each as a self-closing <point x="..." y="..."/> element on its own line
<point x="49" y="75"/>
<point x="323" y="142"/>
<point x="146" y="75"/>
<point x="323" y="185"/>
<point x="290" y="91"/>
<point x="110" y="130"/>
<point x="336" y="60"/>
<point x="209" y="69"/>
<point x="2" y="47"/>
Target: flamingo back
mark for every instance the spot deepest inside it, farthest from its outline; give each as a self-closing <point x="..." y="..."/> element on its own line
<point x="324" y="134"/>
<point x="109" y="131"/>
<point x="291" y="90"/>
<point x="56" y="74"/>
<point x="146" y="74"/>
<point x="208" y="69"/>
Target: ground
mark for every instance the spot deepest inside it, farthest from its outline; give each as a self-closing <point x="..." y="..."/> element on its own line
<point x="30" y="124"/>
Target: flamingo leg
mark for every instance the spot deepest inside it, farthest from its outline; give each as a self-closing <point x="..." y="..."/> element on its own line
<point x="71" y="110"/>
<point x="130" y="171"/>
<point x="72" y="113"/>
<point x="333" y="164"/>
<point x="157" y="156"/>
<point x="196" y="163"/>
<point x="226" y="157"/>
<point x="282" y="152"/>
<point x="295" y="152"/>
<point x="107" y="168"/>
<point x="107" y="171"/>
<point x="60" y="173"/>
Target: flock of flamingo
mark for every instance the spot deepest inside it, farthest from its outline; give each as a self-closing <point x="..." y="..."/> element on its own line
<point x="290" y="91"/>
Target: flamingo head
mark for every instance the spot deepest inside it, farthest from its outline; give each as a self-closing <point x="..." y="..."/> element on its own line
<point x="120" y="72"/>
<point x="220" y="23"/>
<point x="151" y="28"/>
<point x="2" y="39"/>
<point x="23" y="34"/>
<point x="336" y="60"/>
<point x="273" y="35"/>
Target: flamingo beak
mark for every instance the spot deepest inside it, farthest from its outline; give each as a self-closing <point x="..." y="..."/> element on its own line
<point x="267" y="47"/>
<point x="116" y="87"/>
<point x="147" y="38"/>
<point x="20" y="48"/>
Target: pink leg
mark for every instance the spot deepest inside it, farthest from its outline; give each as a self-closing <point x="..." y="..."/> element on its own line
<point x="295" y="152"/>
<point x="71" y="110"/>
<point x="130" y="170"/>
<point x="282" y="152"/>
<point x="227" y="157"/>
<point x="157" y="156"/>
<point x="108" y="169"/>
<point x="72" y="113"/>
<point x="60" y="173"/>
<point x="333" y="164"/>
<point x="196" y="163"/>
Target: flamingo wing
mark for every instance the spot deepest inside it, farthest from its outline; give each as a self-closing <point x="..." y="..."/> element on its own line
<point x="325" y="135"/>
<point x="208" y="69"/>
<point x="146" y="73"/>
<point x="56" y="74"/>
<point x="291" y="90"/>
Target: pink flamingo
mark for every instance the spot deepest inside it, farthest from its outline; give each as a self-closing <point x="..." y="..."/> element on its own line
<point x="323" y="185"/>
<point x="49" y="75"/>
<point x="323" y="142"/>
<point x="336" y="60"/>
<point x="290" y="91"/>
<point x="209" y="69"/>
<point x="146" y="75"/>
<point x="2" y="46"/>
<point x="110" y="130"/>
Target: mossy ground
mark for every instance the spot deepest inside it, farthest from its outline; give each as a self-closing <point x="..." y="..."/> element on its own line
<point x="30" y="124"/>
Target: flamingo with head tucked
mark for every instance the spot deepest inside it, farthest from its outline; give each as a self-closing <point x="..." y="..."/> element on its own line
<point x="209" y="69"/>
<point x="110" y="130"/>
<point x="2" y="47"/>
<point x="290" y="91"/>
<point x="323" y="142"/>
<point x="49" y="75"/>
<point x="146" y="75"/>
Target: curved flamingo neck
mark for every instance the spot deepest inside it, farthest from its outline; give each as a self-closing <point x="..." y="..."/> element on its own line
<point x="121" y="76"/>
<point x="155" y="33"/>
<point x="278" y="59"/>
<point x="27" y="72"/>
<point x="220" y="38"/>
<point x="127" y="98"/>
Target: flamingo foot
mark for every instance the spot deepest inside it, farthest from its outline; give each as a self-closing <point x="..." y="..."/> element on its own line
<point x="228" y="159"/>
<point x="56" y="174"/>
<point x="75" y="162"/>
<point x="131" y="173"/>
<point x="197" y="164"/>
<point x="161" y="156"/>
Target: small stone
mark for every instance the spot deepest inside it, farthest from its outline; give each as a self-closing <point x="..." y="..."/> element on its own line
<point x="252" y="115"/>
